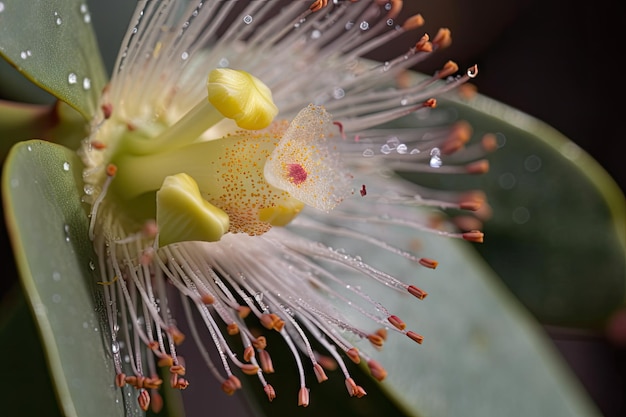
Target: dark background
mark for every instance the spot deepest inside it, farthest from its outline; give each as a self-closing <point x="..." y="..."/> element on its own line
<point x="556" y="60"/>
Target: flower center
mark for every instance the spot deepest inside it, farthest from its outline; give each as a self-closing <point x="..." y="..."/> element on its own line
<point x="246" y="181"/>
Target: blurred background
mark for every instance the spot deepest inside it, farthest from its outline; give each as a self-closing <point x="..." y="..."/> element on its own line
<point x="551" y="59"/>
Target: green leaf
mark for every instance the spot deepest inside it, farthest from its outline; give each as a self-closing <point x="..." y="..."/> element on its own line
<point x="48" y="229"/>
<point x="558" y="232"/>
<point x="52" y="43"/>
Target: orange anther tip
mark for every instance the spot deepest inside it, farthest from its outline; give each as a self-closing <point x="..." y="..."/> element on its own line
<point x="375" y="340"/>
<point x="303" y="397"/>
<point x="232" y="329"/>
<point x="111" y="170"/>
<point x="270" y="392"/>
<point x="353" y="354"/>
<point x="144" y="399"/>
<point x="415" y="337"/>
<point x="428" y="263"/>
<point x="249" y="369"/>
<point x="431" y="102"/>
<point x="416" y="292"/>
<point x="319" y="373"/>
<point x="474" y="236"/>
<point x="397" y="322"/>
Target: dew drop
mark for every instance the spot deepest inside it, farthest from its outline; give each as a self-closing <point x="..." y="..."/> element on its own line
<point x="224" y="63"/>
<point x="435" y="158"/>
<point x="184" y="55"/>
<point x="368" y="153"/>
<point x="521" y="215"/>
<point x="532" y="163"/>
<point x="56" y="276"/>
<point x="507" y="181"/>
<point x="338" y="93"/>
<point x="86" y="83"/>
<point x="115" y="347"/>
<point x="364" y="25"/>
<point x="30" y="148"/>
<point x="86" y="18"/>
<point x="385" y="149"/>
<point x="92" y="265"/>
<point x="402" y="149"/>
<point x="1" y="7"/>
<point x="316" y="34"/>
<point x="72" y="78"/>
<point x="247" y="19"/>
<point x="56" y="298"/>
<point x="26" y="54"/>
<point x="66" y="166"/>
<point x="414" y="151"/>
<point x="57" y="19"/>
<point x="85" y="325"/>
<point x="88" y="189"/>
<point x="66" y="230"/>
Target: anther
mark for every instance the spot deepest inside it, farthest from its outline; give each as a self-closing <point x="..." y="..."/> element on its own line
<point x="363" y="191"/>
<point x="97" y="145"/>
<point x="144" y="399"/>
<point x="107" y="110"/>
<point x="413" y="22"/>
<point x="489" y="142"/>
<point x="378" y="372"/>
<point x="120" y="380"/>
<point x="415" y="337"/>
<point x="475" y="236"/>
<point x="448" y="69"/>
<point x="177" y="369"/>
<point x="424" y="44"/>
<point x="177" y="336"/>
<point x="353" y="354"/>
<point x="351" y="386"/>
<point x="417" y="292"/>
<point x="182" y="384"/>
<point x="397" y="322"/>
<point x="152" y="382"/>
<point x="230" y="385"/>
<point x="243" y="311"/>
<point x="270" y="392"/>
<point x="382" y="332"/>
<point x="303" y="397"/>
<point x="319" y="373"/>
<point x="207" y="299"/>
<point x="248" y="353"/>
<point x="232" y="329"/>
<point x="428" y="263"/>
<point x="266" y="362"/>
<point x="165" y="361"/>
<point x="431" y="102"/>
<point x="249" y="369"/>
<point x="360" y="392"/>
<point x="478" y="167"/>
<point x="260" y="343"/>
<point x="111" y="170"/>
<point x="318" y="5"/>
<point x="443" y="39"/>
<point x="376" y="340"/>
<point x="156" y="402"/>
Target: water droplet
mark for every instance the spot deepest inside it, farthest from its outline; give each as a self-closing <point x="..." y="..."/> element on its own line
<point x="338" y="93"/>
<point x="385" y="149"/>
<point x="368" y="153"/>
<point x="86" y="18"/>
<point x="316" y="34"/>
<point x="30" y="148"/>
<point x="92" y="265"/>
<point x="86" y="83"/>
<point x="435" y="158"/>
<point x="224" y="63"/>
<point x="115" y="347"/>
<point x="184" y="55"/>
<point x="247" y="19"/>
<point x="521" y="215"/>
<point x="83" y="8"/>
<point x="72" y="78"/>
<point x="57" y="19"/>
<point x="364" y="25"/>
<point x="85" y="325"/>
<point x="66" y="230"/>
<point x="1" y="7"/>
<point x="56" y="276"/>
<point x="349" y="25"/>
<point x="390" y="22"/>
<point x="507" y="181"/>
<point x="56" y="298"/>
<point x="402" y="149"/>
<point x="26" y="54"/>
<point x="415" y="151"/>
<point x="66" y="166"/>
<point x="88" y="189"/>
<point x="532" y="163"/>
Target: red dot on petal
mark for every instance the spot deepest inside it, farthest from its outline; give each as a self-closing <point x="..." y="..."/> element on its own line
<point x="297" y="174"/>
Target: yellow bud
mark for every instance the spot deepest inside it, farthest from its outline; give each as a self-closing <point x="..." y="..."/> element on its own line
<point x="183" y="215"/>
<point x="242" y="97"/>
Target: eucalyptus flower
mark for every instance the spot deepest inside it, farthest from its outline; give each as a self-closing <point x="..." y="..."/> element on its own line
<point x="235" y="138"/>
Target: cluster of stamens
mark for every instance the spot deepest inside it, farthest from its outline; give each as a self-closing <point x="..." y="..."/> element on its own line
<point x="237" y="267"/>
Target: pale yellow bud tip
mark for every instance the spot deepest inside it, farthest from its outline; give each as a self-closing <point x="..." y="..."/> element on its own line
<point x="183" y="215"/>
<point x="242" y="97"/>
